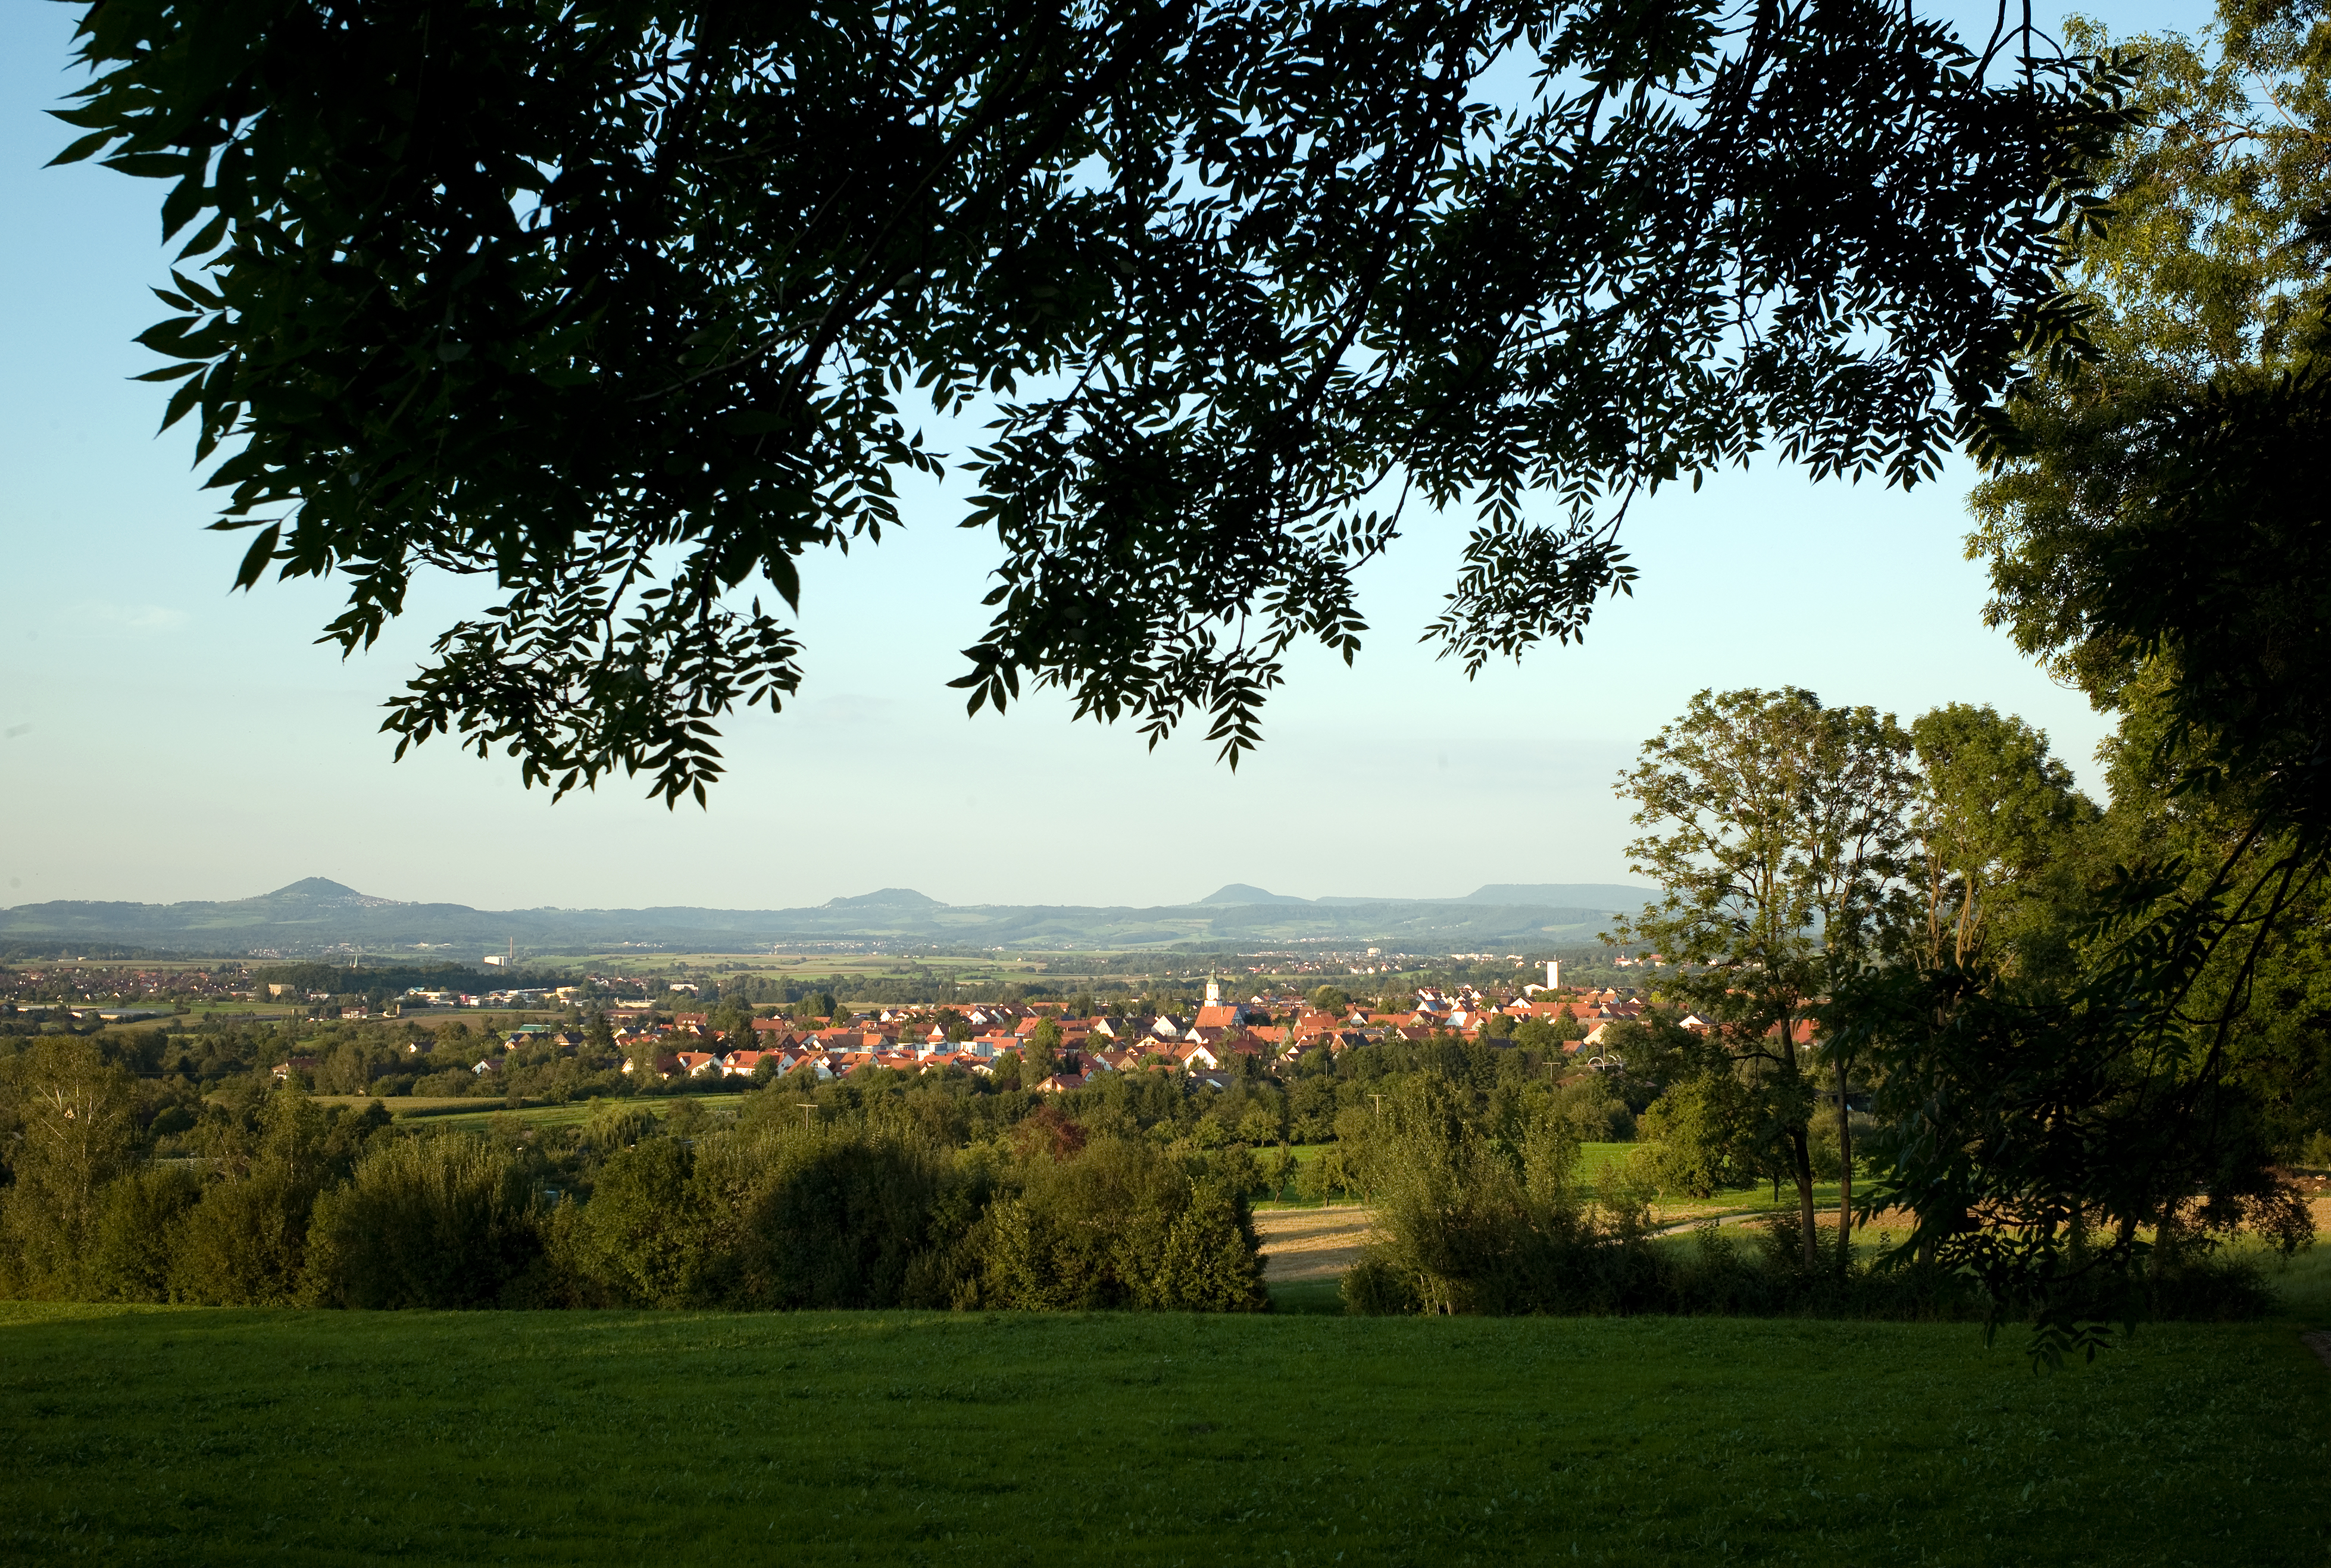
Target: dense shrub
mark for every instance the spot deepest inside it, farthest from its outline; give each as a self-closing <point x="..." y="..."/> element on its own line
<point x="246" y="1243"/>
<point x="138" y="1234"/>
<point x="1468" y="1221"/>
<point x="1477" y="1219"/>
<point x="297" y="1205"/>
<point x="73" y="1132"/>
<point x="1121" y="1224"/>
<point x="1697" y="1134"/>
<point x="844" y="1215"/>
<point x="426" y="1222"/>
<point x="640" y="1240"/>
<point x="841" y="1219"/>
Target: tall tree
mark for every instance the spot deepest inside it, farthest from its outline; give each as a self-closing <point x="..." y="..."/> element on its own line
<point x="1043" y="1049"/>
<point x="1776" y="830"/>
<point x="2155" y="527"/>
<point x="1998" y="827"/>
<point x="621" y="306"/>
<point x="76" y="1130"/>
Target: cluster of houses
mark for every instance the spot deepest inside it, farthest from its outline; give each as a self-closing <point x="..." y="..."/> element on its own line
<point x="921" y="1039"/>
<point x="516" y="996"/>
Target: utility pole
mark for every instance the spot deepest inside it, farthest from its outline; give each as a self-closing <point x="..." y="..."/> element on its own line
<point x="808" y="1110"/>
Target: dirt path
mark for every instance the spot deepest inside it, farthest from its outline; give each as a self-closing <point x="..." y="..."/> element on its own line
<point x="1304" y="1244"/>
<point x="1300" y="1244"/>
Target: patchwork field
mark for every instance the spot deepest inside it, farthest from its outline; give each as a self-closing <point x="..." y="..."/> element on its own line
<point x="203" y="1436"/>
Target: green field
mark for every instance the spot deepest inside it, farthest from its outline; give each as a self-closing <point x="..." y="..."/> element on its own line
<point x="220" y="1435"/>
<point x="437" y="1113"/>
<point x="804" y="967"/>
<point x="1594" y="1161"/>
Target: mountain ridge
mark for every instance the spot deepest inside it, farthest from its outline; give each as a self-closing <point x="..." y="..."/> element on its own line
<point x="317" y="914"/>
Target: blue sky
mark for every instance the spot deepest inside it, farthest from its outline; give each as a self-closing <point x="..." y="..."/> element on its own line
<point x="163" y="739"/>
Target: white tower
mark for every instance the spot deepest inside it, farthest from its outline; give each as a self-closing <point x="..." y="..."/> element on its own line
<point x="1554" y="974"/>
<point x="1213" y="992"/>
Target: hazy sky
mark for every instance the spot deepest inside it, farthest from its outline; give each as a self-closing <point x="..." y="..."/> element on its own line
<point x="165" y="739"/>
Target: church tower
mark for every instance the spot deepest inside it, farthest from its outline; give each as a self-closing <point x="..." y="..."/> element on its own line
<point x="1213" y="992"/>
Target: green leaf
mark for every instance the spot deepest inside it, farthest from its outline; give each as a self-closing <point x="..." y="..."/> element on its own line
<point x="255" y="559"/>
<point x="150" y="166"/>
<point x="81" y="148"/>
<point x="206" y="238"/>
<point x="182" y="400"/>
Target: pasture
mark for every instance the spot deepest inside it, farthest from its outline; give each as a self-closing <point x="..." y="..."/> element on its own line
<point x="1596" y="1161"/>
<point x="199" y="1436"/>
<point x="810" y="966"/>
<point x="478" y="1114"/>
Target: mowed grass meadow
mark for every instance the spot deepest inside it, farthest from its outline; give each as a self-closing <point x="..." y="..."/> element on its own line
<point x="183" y="1435"/>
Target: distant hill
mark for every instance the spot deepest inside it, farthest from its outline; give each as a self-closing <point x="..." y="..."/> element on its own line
<point x="317" y="914"/>
<point x="886" y="898"/>
<point x="1242" y="893"/>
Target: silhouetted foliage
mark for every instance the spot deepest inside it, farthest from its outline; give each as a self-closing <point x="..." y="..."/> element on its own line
<point x="620" y="308"/>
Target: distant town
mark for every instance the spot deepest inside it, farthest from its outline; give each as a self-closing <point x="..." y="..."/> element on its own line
<point x="373" y="1032"/>
<point x="1208" y="1044"/>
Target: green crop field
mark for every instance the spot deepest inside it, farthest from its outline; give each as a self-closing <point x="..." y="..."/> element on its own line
<point x="1594" y="1161"/>
<point x="446" y="1112"/>
<point x="572" y="1114"/>
<point x="199" y="1436"/>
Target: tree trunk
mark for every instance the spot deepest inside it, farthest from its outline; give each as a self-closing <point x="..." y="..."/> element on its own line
<point x="1800" y="1156"/>
<point x="1844" y="1174"/>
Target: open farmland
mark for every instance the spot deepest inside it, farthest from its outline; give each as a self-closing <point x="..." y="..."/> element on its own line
<point x="478" y="1114"/>
<point x="216" y="1436"/>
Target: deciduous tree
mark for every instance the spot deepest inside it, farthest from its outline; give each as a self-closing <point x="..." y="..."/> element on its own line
<point x="623" y="308"/>
<point x="1999" y="826"/>
<point x="2155" y="530"/>
<point x="1776" y="830"/>
<point x="75" y="1130"/>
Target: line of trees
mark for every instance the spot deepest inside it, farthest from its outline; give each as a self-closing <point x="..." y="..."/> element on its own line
<point x="947" y="1189"/>
<point x="2086" y="1035"/>
<point x="2080" y="1071"/>
<point x="872" y="1200"/>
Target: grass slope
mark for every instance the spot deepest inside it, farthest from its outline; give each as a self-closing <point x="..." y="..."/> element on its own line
<point x="205" y="1436"/>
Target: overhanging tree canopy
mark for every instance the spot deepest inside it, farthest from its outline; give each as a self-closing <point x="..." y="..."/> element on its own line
<point x="618" y="305"/>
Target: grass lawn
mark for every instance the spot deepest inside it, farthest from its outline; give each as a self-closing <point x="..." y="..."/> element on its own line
<point x="1305" y="1153"/>
<point x="434" y="1112"/>
<point x="192" y="1435"/>
<point x="572" y="1114"/>
<point x="1594" y="1160"/>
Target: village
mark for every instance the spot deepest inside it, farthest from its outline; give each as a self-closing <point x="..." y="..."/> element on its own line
<point x="1210" y="1046"/>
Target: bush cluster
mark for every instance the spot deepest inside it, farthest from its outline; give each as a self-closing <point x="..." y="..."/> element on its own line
<point x="336" y="1207"/>
<point x="1478" y="1216"/>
